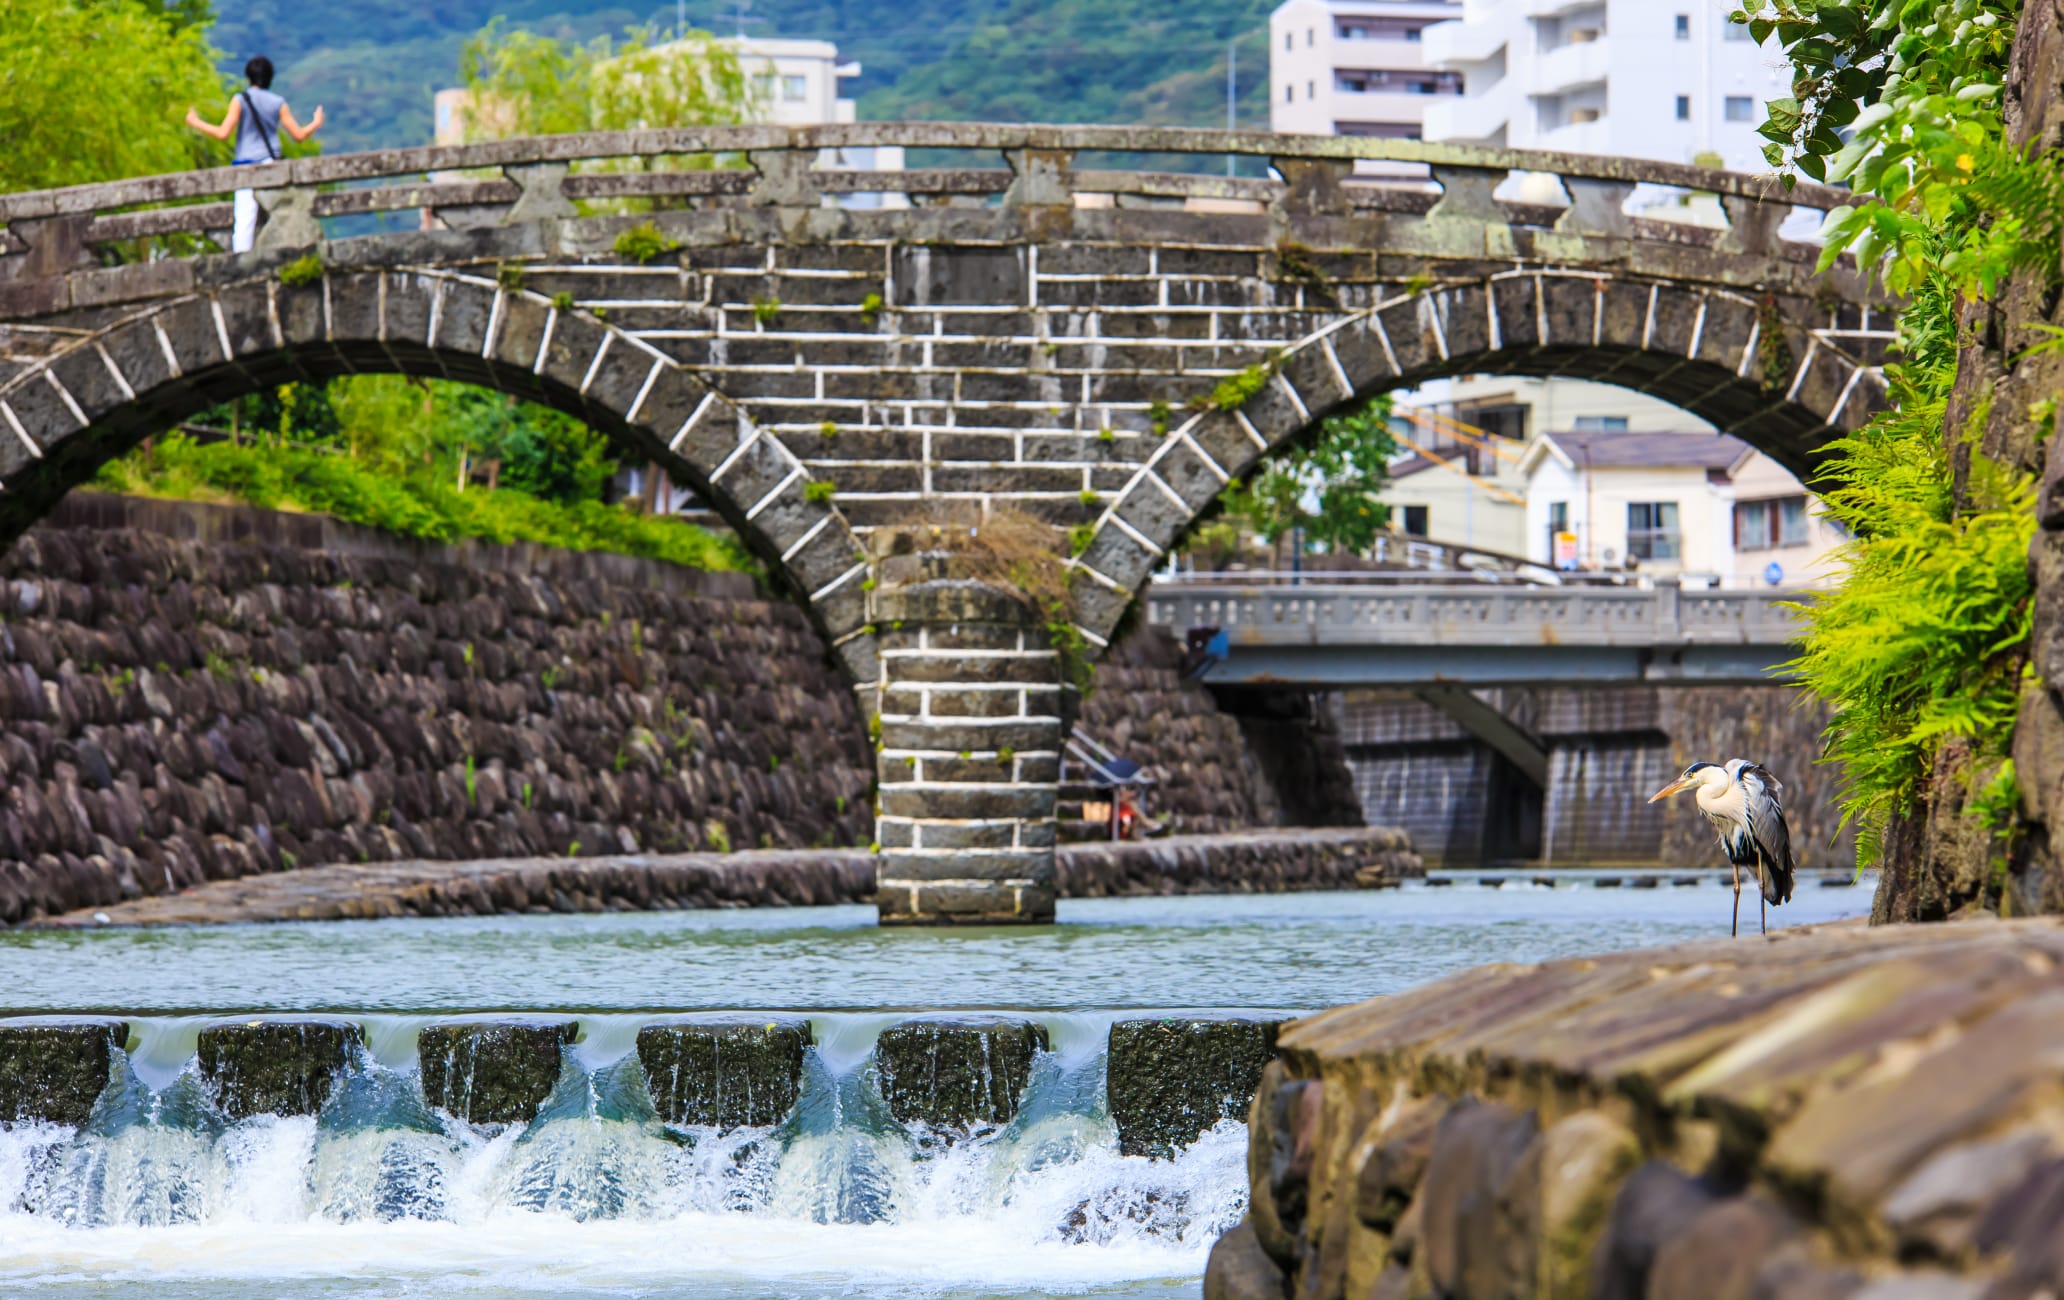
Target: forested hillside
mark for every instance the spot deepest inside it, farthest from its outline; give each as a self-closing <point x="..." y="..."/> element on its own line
<point x="375" y="63"/>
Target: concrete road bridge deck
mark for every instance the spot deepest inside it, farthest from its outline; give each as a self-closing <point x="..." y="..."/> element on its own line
<point x="1105" y="350"/>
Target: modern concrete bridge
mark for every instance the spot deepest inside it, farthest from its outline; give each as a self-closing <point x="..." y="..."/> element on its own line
<point x="1103" y="350"/>
<point x="1419" y="634"/>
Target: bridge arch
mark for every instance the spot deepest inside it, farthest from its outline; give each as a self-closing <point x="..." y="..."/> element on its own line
<point x="105" y="389"/>
<point x="1726" y="355"/>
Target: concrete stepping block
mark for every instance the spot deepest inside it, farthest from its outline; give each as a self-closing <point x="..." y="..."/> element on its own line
<point x="957" y="1074"/>
<point x="1170" y="1078"/>
<point x="275" y="1067"/>
<point x="725" y="1073"/>
<point x="494" y="1072"/>
<point x="55" y="1071"/>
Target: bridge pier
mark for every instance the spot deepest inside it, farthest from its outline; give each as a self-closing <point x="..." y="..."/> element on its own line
<point x="972" y="710"/>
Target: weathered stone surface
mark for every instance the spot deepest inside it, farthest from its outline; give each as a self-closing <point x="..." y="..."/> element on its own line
<point x="491" y="1073"/>
<point x="727" y="1073"/>
<point x="1826" y="1113"/>
<point x="1169" y="1079"/>
<point x="275" y="1067"/>
<point x="957" y="1074"/>
<point x="1239" y="1269"/>
<point x="54" y="1070"/>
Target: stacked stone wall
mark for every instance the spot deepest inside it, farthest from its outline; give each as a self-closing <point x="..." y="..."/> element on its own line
<point x="173" y="710"/>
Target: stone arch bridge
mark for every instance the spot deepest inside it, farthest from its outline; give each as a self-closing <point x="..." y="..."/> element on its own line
<point x="835" y="358"/>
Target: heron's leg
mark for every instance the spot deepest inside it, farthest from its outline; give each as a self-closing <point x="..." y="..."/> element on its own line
<point x="1734" y="931"/>
<point x="1764" y="904"/>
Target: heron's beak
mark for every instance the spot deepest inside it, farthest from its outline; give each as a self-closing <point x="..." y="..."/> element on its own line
<point x="1680" y="783"/>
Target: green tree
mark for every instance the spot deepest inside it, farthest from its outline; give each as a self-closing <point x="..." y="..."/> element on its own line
<point x="1341" y="473"/>
<point x="524" y="84"/>
<point x="97" y="91"/>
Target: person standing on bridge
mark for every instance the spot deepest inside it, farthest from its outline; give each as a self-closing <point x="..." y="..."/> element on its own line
<point x="256" y="117"/>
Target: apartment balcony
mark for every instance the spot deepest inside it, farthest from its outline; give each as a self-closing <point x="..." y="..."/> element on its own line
<point x="1382" y="105"/>
<point x="1570" y="67"/>
<point x="1577" y="137"/>
<point x="1455" y="44"/>
<point x="1472" y="118"/>
<point x="1557" y="8"/>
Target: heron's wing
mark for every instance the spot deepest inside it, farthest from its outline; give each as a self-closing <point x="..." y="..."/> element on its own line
<point x="1763" y="802"/>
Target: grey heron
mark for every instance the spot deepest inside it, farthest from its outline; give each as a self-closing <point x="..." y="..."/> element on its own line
<point x="1745" y="804"/>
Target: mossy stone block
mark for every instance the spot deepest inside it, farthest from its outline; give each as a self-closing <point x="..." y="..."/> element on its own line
<point x="957" y="1074"/>
<point x="493" y="1073"/>
<point x="55" y="1071"/>
<point x="725" y="1073"/>
<point x="275" y="1067"/>
<point x="1169" y="1078"/>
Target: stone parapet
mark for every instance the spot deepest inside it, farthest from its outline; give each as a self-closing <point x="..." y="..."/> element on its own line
<point x="1837" y="1112"/>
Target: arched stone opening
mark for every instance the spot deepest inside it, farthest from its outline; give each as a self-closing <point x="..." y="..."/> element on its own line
<point x="104" y="391"/>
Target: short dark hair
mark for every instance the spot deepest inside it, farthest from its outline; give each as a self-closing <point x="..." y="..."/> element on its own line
<point x="259" y="72"/>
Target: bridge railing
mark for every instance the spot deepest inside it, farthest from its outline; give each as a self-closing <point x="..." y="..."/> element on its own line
<point x="506" y="181"/>
<point x="1481" y="616"/>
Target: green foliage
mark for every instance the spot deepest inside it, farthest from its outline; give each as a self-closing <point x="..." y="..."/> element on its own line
<point x="871" y="307"/>
<point x="1235" y="389"/>
<point x="718" y="835"/>
<point x="1079" y="539"/>
<point x="1294" y="262"/>
<point x="819" y="491"/>
<point x="411" y="503"/>
<point x="304" y="270"/>
<point x="827" y="431"/>
<point x="1330" y="488"/>
<point x="766" y="311"/>
<point x="1089" y="498"/>
<point x="562" y="301"/>
<point x="509" y="275"/>
<point x="1158" y="415"/>
<point x="472" y="782"/>
<point x="643" y="242"/>
<point x="1925" y="638"/>
<point x="97" y="90"/>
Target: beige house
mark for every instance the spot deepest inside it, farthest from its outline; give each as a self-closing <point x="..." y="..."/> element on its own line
<point x="1704" y="507"/>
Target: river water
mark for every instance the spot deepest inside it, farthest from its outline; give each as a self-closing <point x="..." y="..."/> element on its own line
<point x="378" y="1198"/>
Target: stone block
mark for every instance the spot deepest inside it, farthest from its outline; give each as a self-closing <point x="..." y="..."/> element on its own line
<point x="943" y="275"/>
<point x="957" y="1075"/>
<point x="725" y="1074"/>
<point x="1239" y="1269"/>
<point x="55" y="1070"/>
<point x="491" y="1073"/>
<point x="275" y="1067"/>
<point x="985" y="870"/>
<point x="1169" y="1079"/>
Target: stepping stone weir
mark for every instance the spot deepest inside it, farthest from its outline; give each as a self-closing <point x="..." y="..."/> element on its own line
<point x="957" y="1074"/>
<point x="498" y="1072"/>
<point x="275" y="1067"/>
<point x="55" y="1071"/>
<point x="725" y="1073"/>
<point x="1169" y="1079"/>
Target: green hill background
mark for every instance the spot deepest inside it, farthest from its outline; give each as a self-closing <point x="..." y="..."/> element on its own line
<point x="374" y="64"/>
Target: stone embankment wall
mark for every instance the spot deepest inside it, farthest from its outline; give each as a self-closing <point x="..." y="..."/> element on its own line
<point x="1836" y="1113"/>
<point x="195" y="693"/>
<point x="1267" y="861"/>
<point x="174" y="711"/>
<point x="1608" y="751"/>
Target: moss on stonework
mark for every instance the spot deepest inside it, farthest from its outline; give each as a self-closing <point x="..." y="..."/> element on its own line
<point x="55" y="1072"/>
<point x="1171" y="1078"/>
<point x="725" y="1074"/>
<point x="275" y="1067"/>
<point x="495" y="1073"/>
<point x="957" y="1074"/>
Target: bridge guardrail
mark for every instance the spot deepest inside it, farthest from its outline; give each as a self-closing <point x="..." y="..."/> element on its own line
<point x="785" y="167"/>
<point x="1482" y="616"/>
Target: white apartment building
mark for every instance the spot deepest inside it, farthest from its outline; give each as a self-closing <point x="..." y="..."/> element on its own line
<point x="1666" y="79"/>
<point x="1356" y="67"/>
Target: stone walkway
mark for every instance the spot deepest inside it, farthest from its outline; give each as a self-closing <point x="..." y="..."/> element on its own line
<point x="1267" y="861"/>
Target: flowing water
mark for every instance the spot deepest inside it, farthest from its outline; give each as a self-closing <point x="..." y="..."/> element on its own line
<point x="380" y="1196"/>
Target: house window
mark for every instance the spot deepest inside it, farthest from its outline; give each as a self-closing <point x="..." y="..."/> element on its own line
<point x="795" y="89"/>
<point x="1289" y="42"/>
<point x="1769" y="525"/>
<point x="1683" y="27"/>
<point x="1311" y="90"/>
<point x="1652" y="531"/>
<point x="1684" y="108"/>
<point x="1289" y="94"/>
<point x="1311" y="37"/>
<point x="1558" y="523"/>
<point x="1415" y="521"/>
<point x="1741" y="108"/>
<point x="1599" y="424"/>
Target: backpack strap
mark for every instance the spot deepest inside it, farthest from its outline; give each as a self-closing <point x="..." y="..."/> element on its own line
<point x="259" y="123"/>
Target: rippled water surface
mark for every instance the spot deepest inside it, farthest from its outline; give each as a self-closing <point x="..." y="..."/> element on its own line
<point x="1299" y="951"/>
<point x="161" y="1195"/>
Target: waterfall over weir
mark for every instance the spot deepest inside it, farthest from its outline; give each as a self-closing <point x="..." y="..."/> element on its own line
<point x="382" y="1192"/>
